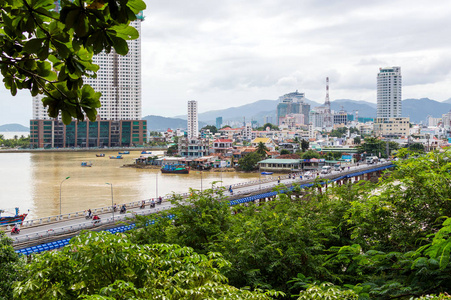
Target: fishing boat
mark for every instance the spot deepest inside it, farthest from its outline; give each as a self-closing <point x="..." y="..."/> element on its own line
<point x="146" y="152"/>
<point x="175" y="169"/>
<point x="116" y="157"/>
<point x="124" y="152"/>
<point x="12" y="219"/>
<point x="100" y="155"/>
<point x="86" y="164"/>
<point x="267" y="173"/>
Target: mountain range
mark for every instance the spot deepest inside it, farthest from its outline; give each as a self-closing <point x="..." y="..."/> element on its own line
<point x="417" y="109"/>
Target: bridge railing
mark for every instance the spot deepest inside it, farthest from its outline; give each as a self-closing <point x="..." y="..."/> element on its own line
<point x="91" y="224"/>
<point x="82" y="214"/>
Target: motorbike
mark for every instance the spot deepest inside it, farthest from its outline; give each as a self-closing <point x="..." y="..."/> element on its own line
<point x="159" y="201"/>
<point x="123" y="210"/>
<point x="88" y="217"/>
<point x="15" y="230"/>
<point x="142" y="205"/>
<point x="152" y="205"/>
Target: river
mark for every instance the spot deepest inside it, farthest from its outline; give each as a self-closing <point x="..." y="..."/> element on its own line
<point x="32" y="181"/>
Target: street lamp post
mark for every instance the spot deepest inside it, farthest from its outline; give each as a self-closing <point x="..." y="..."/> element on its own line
<point x="156" y="185"/>
<point x="60" y="190"/>
<point x="112" y="205"/>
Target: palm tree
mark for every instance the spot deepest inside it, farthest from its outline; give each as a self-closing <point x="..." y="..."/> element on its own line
<point x="261" y="149"/>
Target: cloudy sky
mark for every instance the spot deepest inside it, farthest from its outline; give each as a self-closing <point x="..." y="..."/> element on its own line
<point x="229" y="53"/>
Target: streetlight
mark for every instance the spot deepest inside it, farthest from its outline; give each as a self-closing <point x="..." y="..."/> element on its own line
<point x="60" y="190"/>
<point x="112" y="205"/>
<point x="156" y="185"/>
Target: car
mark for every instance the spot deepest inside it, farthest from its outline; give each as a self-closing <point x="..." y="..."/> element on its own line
<point x="382" y="160"/>
<point x="308" y="174"/>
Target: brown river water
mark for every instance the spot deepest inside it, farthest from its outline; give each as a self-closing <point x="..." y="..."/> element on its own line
<point x="32" y="181"/>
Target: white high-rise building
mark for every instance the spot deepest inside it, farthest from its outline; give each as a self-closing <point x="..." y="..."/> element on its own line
<point x="193" y="125"/>
<point x="119" y="81"/>
<point x="389" y="88"/>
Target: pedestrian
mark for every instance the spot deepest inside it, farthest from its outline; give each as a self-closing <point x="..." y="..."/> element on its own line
<point x="349" y="168"/>
<point x="278" y="180"/>
<point x="89" y="212"/>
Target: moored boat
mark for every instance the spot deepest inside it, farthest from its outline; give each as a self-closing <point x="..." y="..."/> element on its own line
<point x="86" y="164"/>
<point x="146" y="152"/>
<point x="175" y="169"/>
<point x="116" y="157"/>
<point x="12" y="219"/>
<point x="124" y="152"/>
<point x="267" y="173"/>
<point x="100" y="155"/>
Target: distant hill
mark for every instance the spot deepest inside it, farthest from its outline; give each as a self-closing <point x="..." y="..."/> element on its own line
<point x="158" y="123"/>
<point x="14" y="128"/>
<point x="416" y="109"/>
<point x="365" y="109"/>
<point x="419" y="109"/>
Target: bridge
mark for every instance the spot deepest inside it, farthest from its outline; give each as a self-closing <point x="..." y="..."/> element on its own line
<point x="55" y="231"/>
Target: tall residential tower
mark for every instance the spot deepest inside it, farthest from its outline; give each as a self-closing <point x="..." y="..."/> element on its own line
<point x="389" y="88"/>
<point x="119" y="117"/>
<point x="193" y="125"/>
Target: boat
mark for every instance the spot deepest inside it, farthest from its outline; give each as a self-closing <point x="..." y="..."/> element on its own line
<point x="12" y="219"/>
<point x="116" y="157"/>
<point x="86" y="164"/>
<point x="124" y="152"/>
<point x="100" y="155"/>
<point x="146" y="152"/>
<point x="267" y="173"/>
<point x="175" y="169"/>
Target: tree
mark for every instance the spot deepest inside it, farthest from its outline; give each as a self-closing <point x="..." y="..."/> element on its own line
<point x="249" y="161"/>
<point x="310" y="154"/>
<point x="417" y="147"/>
<point x="304" y="145"/>
<point x="9" y="267"/>
<point x="357" y="140"/>
<point x="212" y="128"/>
<point x="49" y="52"/>
<point x="99" y="265"/>
<point x="262" y="149"/>
<point x="284" y="151"/>
<point x="271" y="127"/>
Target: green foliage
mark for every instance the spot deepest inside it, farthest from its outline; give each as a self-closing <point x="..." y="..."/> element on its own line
<point x="105" y="266"/>
<point x="327" y="291"/>
<point x="199" y="219"/>
<point x="284" y="151"/>
<point x="249" y="161"/>
<point x="340" y="131"/>
<point x="9" y="266"/>
<point x="304" y="145"/>
<point x="212" y="128"/>
<point x="16" y="142"/>
<point x="271" y="127"/>
<point x="261" y="149"/>
<point x="310" y="154"/>
<point x="417" y="147"/>
<point x="374" y="146"/>
<point x="357" y="140"/>
<point x="49" y="52"/>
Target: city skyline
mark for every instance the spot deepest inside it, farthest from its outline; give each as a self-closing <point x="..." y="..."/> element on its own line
<point x="229" y="54"/>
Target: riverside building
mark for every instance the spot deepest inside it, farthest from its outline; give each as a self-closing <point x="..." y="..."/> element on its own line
<point x="119" y="81"/>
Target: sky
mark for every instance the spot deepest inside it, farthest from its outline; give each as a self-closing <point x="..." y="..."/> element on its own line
<point x="230" y="53"/>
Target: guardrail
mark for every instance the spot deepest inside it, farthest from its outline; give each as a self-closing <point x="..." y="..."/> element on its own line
<point x="91" y="224"/>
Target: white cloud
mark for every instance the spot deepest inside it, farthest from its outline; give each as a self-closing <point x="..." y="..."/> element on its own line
<point x="232" y="52"/>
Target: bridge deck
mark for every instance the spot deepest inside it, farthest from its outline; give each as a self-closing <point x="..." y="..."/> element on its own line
<point x="63" y="227"/>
